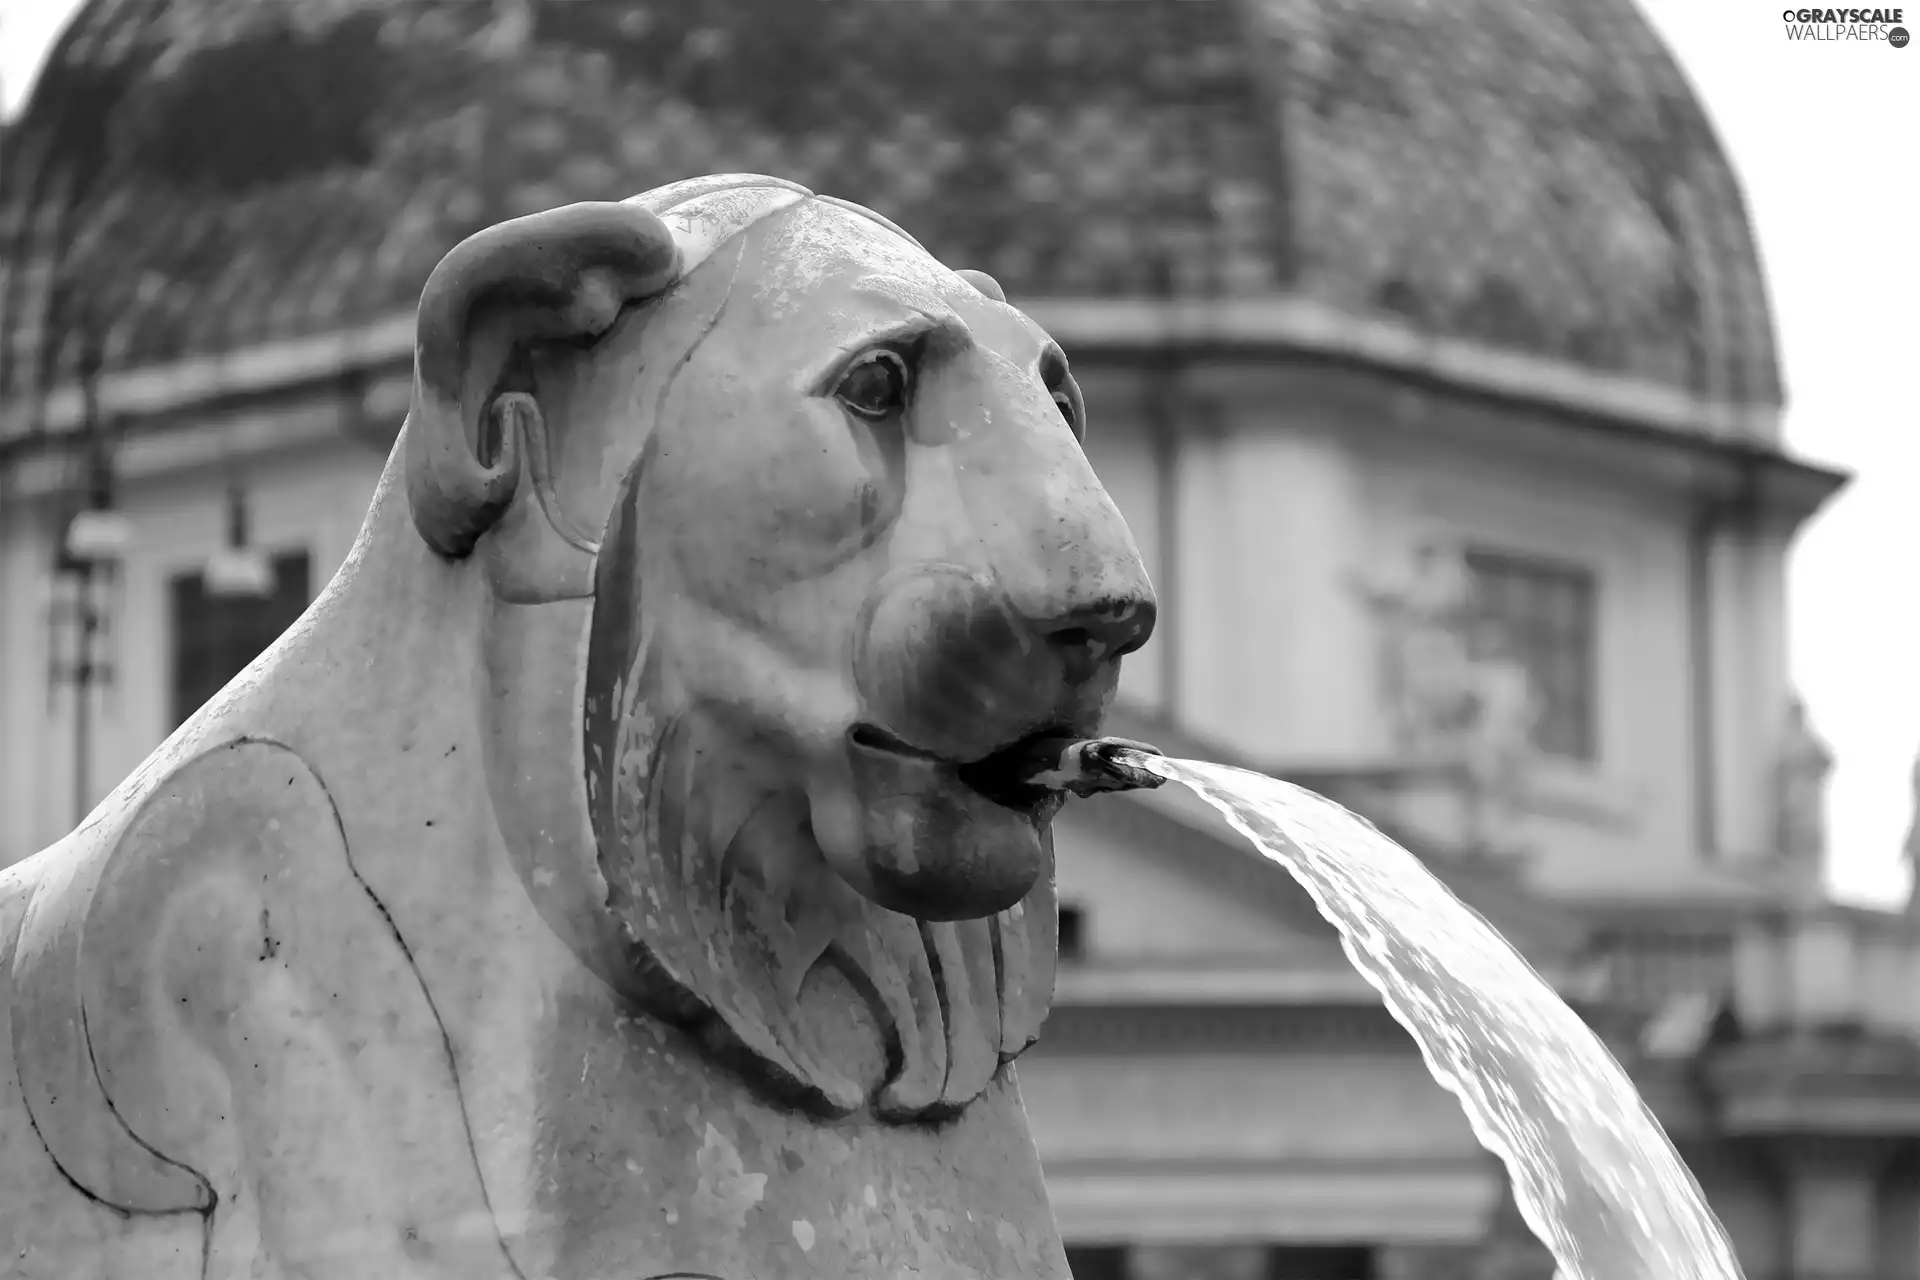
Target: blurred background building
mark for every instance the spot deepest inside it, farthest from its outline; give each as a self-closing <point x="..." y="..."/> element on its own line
<point x="1427" y="352"/>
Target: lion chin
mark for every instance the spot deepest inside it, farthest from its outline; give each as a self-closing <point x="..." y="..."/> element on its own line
<point x="928" y="837"/>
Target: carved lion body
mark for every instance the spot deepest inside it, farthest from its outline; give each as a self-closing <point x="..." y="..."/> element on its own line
<point x="599" y="880"/>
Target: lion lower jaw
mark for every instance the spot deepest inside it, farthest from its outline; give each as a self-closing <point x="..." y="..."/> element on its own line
<point x="912" y="837"/>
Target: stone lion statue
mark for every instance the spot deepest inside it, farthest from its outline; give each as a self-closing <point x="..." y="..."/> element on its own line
<point x="611" y="874"/>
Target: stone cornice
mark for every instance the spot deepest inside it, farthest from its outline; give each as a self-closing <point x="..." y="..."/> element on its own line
<point x="1202" y="1029"/>
<point x="1423" y="1201"/>
<point x="1096" y="327"/>
<point x="1116" y="1009"/>
<point x="1277" y="983"/>
<point x="1836" y="1083"/>
<point x="264" y="368"/>
<point x="1302" y="324"/>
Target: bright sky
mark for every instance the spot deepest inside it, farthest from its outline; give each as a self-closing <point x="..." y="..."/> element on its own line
<point x="1817" y="132"/>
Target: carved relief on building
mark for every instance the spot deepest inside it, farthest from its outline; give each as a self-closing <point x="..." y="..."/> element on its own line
<point x="1457" y="698"/>
<point x="1801" y="769"/>
<point x="1910" y="847"/>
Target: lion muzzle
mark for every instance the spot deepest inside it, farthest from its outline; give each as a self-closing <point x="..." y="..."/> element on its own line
<point x="955" y="686"/>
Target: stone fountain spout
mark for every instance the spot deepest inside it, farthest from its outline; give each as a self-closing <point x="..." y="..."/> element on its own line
<point x="1089" y="766"/>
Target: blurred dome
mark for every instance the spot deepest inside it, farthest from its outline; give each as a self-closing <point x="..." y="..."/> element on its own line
<point x="1532" y="175"/>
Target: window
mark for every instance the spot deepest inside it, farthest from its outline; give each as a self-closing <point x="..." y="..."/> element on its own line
<point x="1251" y="1261"/>
<point x="1199" y="1262"/>
<point x="1320" y="1262"/>
<point x="1097" y="1261"/>
<point x="215" y="637"/>
<point x="1073" y="932"/>
<point x="1542" y="614"/>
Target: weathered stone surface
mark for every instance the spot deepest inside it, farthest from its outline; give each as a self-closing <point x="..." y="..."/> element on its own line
<point x="587" y="886"/>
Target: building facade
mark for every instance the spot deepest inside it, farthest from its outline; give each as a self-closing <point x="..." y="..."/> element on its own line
<point x="1427" y="353"/>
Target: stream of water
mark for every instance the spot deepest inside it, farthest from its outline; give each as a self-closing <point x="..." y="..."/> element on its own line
<point x="1592" y="1171"/>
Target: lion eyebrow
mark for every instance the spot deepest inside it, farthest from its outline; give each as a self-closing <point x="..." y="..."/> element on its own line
<point x="902" y="293"/>
<point x="946" y="329"/>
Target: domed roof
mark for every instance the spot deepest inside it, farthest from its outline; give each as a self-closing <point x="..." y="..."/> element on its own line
<point x="1532" y="175"/>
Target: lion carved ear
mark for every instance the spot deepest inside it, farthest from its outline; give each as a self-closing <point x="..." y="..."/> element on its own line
<point x="562" y="275"/>
<point x="984" y="283"/>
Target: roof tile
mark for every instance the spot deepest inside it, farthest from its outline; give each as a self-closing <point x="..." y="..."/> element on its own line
<point x="1534" y="174"/>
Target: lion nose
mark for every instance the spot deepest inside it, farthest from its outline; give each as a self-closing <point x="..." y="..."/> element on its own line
<point x="1088" y="637"/>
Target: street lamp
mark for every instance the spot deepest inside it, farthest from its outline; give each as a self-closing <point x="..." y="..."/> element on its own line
<point x="92" y="544"/>
<point x="238" y="570"/>
<point x="97" y="537"/>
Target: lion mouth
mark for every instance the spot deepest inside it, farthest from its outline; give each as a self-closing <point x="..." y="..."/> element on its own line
<point x="1001" y="776"/>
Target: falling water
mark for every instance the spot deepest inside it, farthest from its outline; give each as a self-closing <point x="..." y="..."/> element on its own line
<point x="1592" y="1171"/>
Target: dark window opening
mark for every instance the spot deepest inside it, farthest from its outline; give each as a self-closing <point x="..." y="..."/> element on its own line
<point x="215" y="637"/>
<point x="1245" y="1261"/>
<point x="1097" y="1261"/>
<point x="1320" y="1262"/>
<point x="1073" y="932"/>
<point x="1542" y="614"/>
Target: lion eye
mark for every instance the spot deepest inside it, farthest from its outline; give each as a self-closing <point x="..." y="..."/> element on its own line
<point x="1064" y="403"/>
<point x="876" y="386"/>
<point x="1066" y="397"/>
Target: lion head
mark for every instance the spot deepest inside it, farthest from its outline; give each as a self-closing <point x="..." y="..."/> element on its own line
<point x="789" y="534"/>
